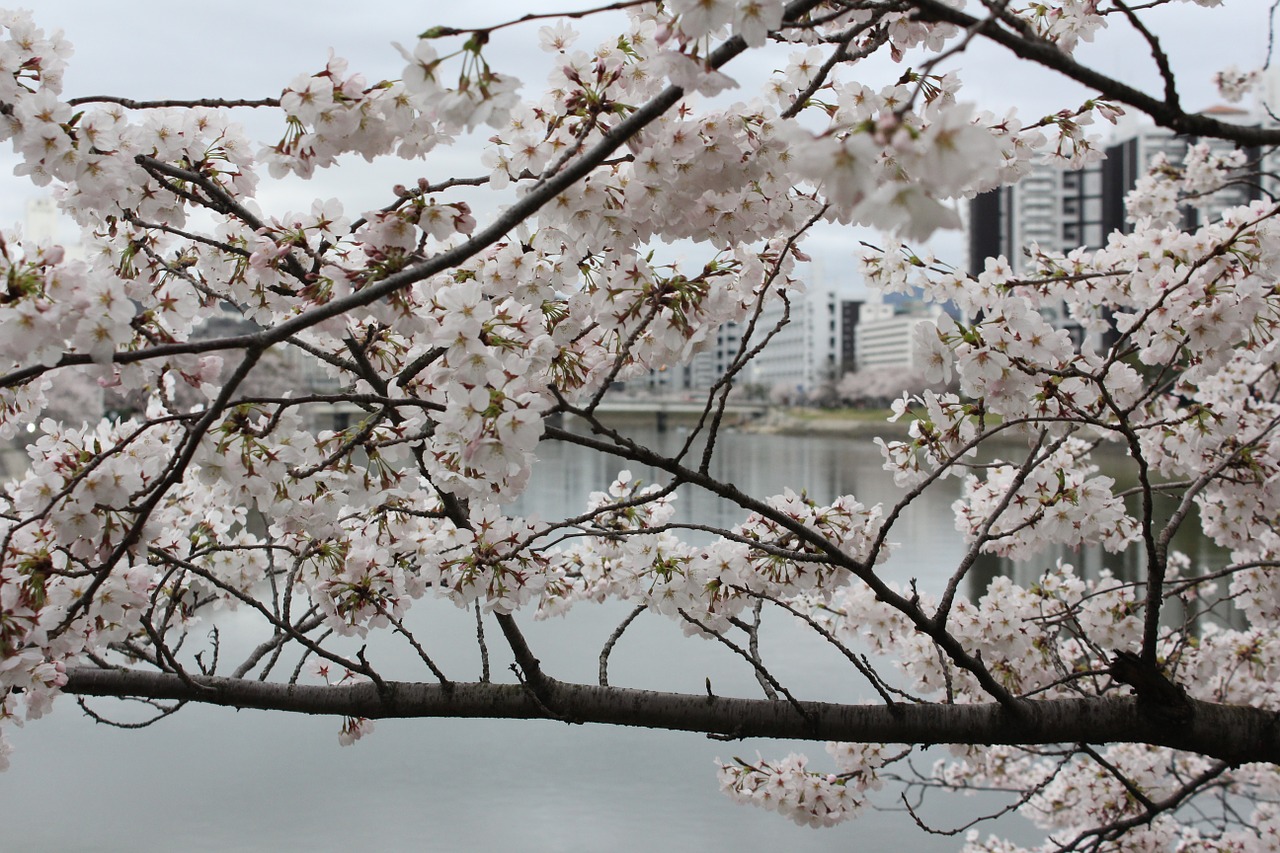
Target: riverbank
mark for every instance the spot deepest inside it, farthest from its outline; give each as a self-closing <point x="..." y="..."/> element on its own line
<point x="854" y="423"/>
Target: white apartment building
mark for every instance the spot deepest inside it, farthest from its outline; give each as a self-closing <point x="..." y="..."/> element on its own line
<point x="885" y="330"/>
<point x="41" y="221"/>
<point x="43" y="224"/>
<point x="804" y="356"/>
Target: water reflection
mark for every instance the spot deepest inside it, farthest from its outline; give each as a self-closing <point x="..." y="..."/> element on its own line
<point x="215" y="779"/>
<point x="1129" y="565"/>
<point x="928" y="545"/>
<point x="762" y="465"/>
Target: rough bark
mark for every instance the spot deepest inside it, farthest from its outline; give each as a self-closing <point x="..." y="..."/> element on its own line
<point x="1235" y="734"/>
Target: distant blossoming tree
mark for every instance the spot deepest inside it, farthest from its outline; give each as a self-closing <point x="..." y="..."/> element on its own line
<point x="1123" y="715"/>
<point x="874" y="386"/>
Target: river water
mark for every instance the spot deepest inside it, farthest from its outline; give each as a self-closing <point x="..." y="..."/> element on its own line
<point x="218" y="779"/>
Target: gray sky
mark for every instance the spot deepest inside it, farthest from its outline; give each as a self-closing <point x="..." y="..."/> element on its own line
<point x="238" y="48"/>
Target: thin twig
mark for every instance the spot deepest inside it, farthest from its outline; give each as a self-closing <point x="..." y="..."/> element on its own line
<point x="613" y="640"/>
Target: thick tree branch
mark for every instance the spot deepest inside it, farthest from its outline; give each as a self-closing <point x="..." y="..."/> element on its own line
<point x="215" y="103"/>
<point x="1051" y="56"/>
<point x="1234" y="734"/>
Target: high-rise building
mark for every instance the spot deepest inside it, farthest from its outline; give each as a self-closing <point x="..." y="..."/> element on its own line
<point x="808" y="353"/>
<point x="1059" y="209"/>
<point x="41" y="223"/>
<point x="814" y="349"/>
<point x="44" y="225"/>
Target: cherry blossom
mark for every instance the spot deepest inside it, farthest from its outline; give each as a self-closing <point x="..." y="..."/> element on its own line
<point x="630" y="210"/>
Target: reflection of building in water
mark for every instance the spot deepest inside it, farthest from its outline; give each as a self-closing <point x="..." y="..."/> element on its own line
<point x="926" y="545"/>
<point x="1127" y="567"/>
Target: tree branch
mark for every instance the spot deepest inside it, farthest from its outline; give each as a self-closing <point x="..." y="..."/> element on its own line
<point x="1234" y="734"/>
<point x="1051" y="56"/>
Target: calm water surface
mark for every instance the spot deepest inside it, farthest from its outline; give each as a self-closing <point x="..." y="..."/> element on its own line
<point x="218" y="779"/>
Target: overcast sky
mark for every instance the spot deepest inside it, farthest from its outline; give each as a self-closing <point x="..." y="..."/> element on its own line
<point x="237" y="48"/>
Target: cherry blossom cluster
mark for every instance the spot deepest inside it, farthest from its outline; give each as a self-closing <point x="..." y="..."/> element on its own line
<point x="125" y="535"/>
<point x="1030" y="637"/>
<point x="1087" y="788"/>
<point x="1233" y="84"/>
<point x="631" y="553"/>
<point x="1065" y="24"/>
<point x="1018" y="511"/>
<point x="789" y="788"/>
<point x="1061" y="650"/>
<point x="1197" y="310"/>
<point x="1090" y="790"/>
<point x="1160" y="193"/>
<point x="80" y="489"/>
<point x="334" y="112"/>
<point x="753" y="20"/>
<point x="354" y="728"/>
